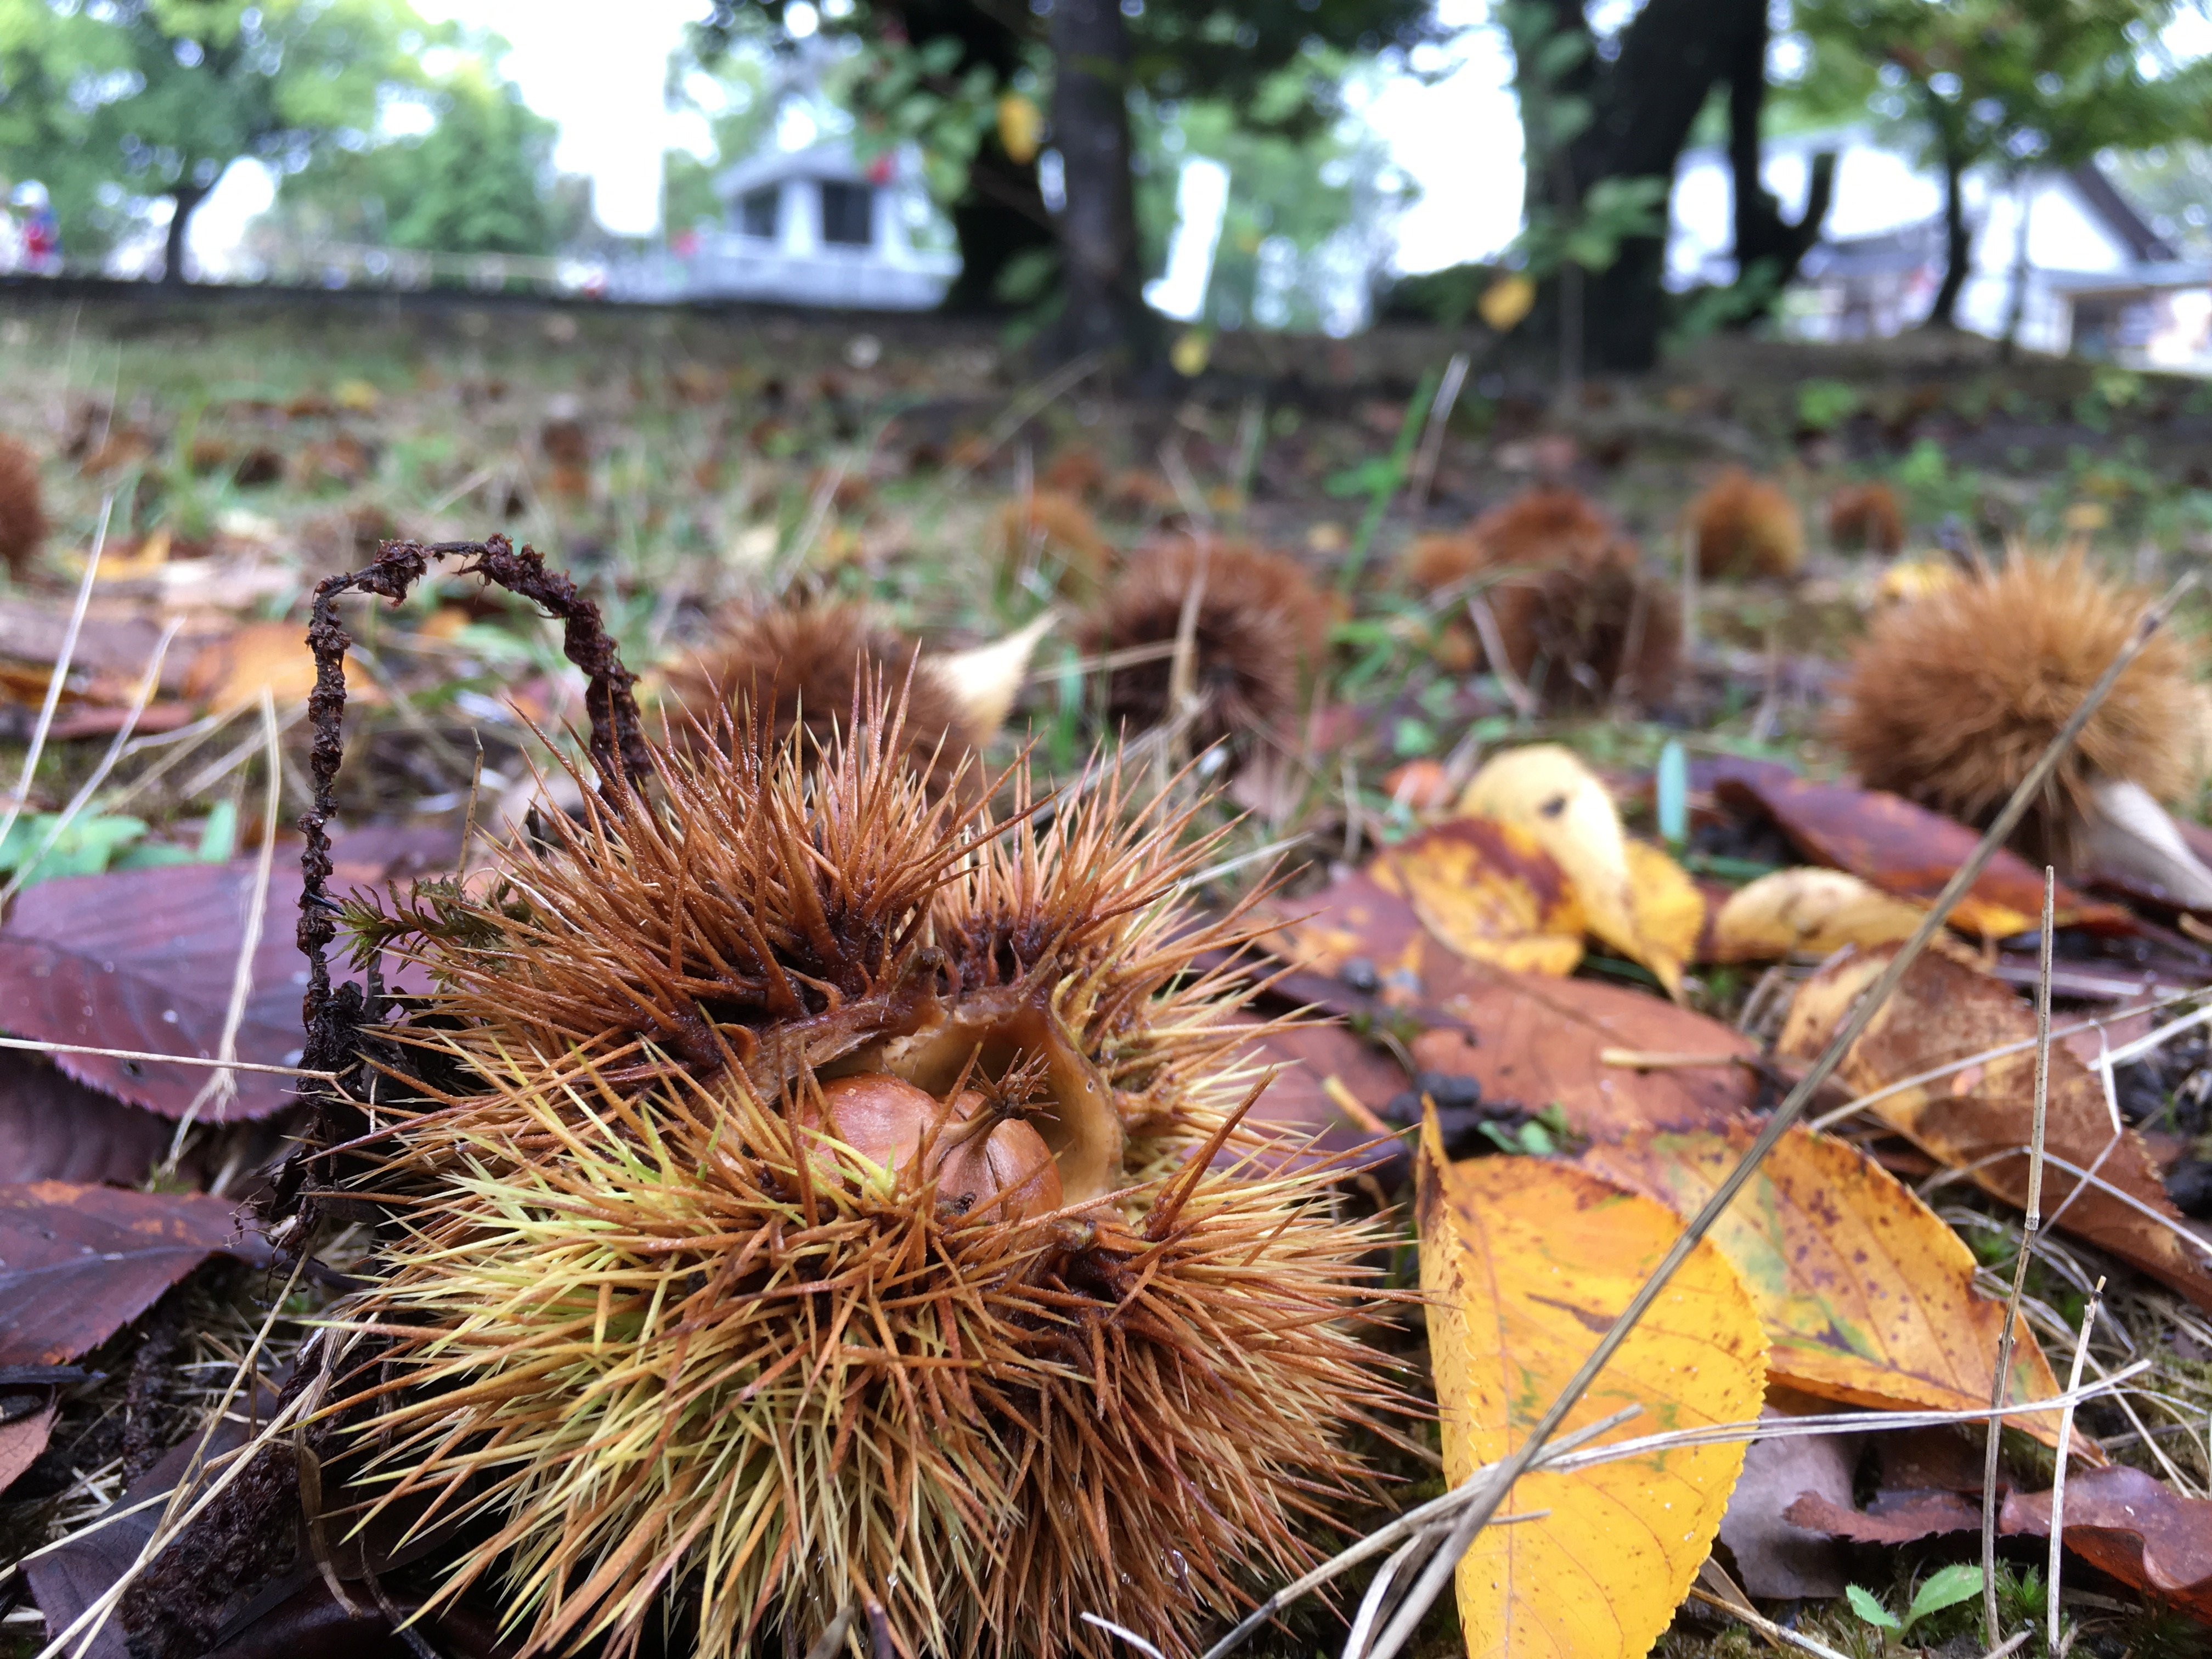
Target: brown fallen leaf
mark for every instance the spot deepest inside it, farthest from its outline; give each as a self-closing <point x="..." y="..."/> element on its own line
<point x="143" y="960"/>
<point x="22" y="1439"/>
<point x="54" y="1128"/>
<point x="79" y="1263"/>
<point x="1982" y="1118"/>
<point x="1904" y="849"/>
<point x="1808" y="911"/>
<point x="1867" y="1297"/>
<point x="1774" y="1556"/>
<point x="2120" y="1520"/>
<point x="1321" y="1065"/>
<point x="1525" y="1262"/>
<point x="1540" y="1043"/>
<point x="1490" y="892"/>
<point x="234" y="671"/>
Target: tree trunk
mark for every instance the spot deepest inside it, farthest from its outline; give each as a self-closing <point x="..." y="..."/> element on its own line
<point x="1099" y="277"/>
<point x="187" y="196"/>
<point x="1958" y="242"/>
<point x="1643" y="103"/>
<point x="1768" y="246"/>
<point x="999" y="218"/>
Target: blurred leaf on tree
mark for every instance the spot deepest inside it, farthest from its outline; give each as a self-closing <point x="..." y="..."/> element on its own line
<point x="475" y="178"/>
<point x="116" y="107"/>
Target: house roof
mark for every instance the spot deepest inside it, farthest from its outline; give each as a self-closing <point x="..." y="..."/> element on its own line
<point x="2102" y="197"/>
<point x="831" y="158"/>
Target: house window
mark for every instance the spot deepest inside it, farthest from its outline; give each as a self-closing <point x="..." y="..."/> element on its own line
<point x="847" y="215"/>
<point x="757" y="212"/>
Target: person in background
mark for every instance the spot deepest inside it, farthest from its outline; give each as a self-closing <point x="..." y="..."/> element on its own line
<point x="41" y="232"/>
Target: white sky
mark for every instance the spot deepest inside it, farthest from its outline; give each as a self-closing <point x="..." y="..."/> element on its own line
<point x="1459" y="139"/>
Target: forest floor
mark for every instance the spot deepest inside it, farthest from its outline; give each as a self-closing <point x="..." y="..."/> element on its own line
<point x="226" y="456"/>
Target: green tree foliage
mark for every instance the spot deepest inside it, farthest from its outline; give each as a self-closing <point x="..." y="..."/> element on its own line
<point x="2020" y="84"/>
<point x="733" y="96"/>
<point x="122" y="104"/>
<point x="478" y="181"/>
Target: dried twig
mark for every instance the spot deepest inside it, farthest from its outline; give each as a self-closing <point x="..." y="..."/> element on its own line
<point x="2058" y="1473"/>
<point x="59" y="676"/>
<point x="2034" y="1225"/>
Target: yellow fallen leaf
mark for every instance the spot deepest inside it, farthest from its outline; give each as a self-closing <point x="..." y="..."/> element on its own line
<point x="358" y="397"/>
<point x="1669" y="911"/>
<point x="1979" y="1119"/>
<point x="1915" y="579"/>
<point x="1527" y="1263"/>
<point x="1507" y="302"/>
<point x="1490" y="892"/>
<point x="1548" y="791"/>
<point x="1865" y="1295"/>
<point x="1808" y="911"/>
<point x="1021" y="124"/>
<point x="232" y="670"/>
<point x="1190" y="353"/>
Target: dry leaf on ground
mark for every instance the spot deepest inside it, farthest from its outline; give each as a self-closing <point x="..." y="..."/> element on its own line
<point x="22" y="1440"/>
<point x="79" y="1263"/>
<point x="1867" y="1297"/>
<point x="1944" y="1010"/>
<point x="1774" y="1556"/>
<point x="1527" y="1263"/>
<point x="1904" y="849"/>
<point x="233" y="670"/>
<point x="1808" y="911"/>
<point x="1540" y="1043"/>
<point x="1490" y="891"/>
<point x="54" y="1128"/>
<point x="1546" y="790"/>
<point x="143" y="959"/>
<point x="2120" y="1520"/>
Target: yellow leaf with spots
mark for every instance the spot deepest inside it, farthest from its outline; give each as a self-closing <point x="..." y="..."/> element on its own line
<point x="1490" y="892"/>
<point x="1527" y="1263"/>
<point x="1641" y="903"/>
<point x="1808" y="911"/>
<point x="1866" y="1295"/>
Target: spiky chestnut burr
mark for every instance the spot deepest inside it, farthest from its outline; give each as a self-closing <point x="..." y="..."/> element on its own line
<point x="1577" y="617"/>
<point x="1867" y="516"/>
<point x="731" y="1291"/>
<point x="22" y="507"/>
<point x="812" y="666"/>
<point x="1746" y="526"/>
<point x="1954" y="695"/>
<point x="1260" y="627"/>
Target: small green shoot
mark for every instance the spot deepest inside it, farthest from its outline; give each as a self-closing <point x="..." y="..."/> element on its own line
<point x="1946" y="1587"/>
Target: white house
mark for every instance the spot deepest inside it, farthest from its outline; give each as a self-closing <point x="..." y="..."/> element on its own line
<point x="2098" y="279"/>
<point x="809" y="227"/>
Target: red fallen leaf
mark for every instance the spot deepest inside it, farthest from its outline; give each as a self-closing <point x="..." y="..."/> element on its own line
<point x="1901" y="848"/>
<point x="1299" y="1100"/>
<point x="1774" y="1556"/>
<point x="1539" y="1042"/>
<point x="1893" y="1518"/>
<point x="2132" y="1526"/>
<point x="79" y="1263"/>
<point x="23" y="1440"/>
<point x="2119" y="1519"/>
<point x="143" y="959"/>
<point x="54" y="1128"/>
